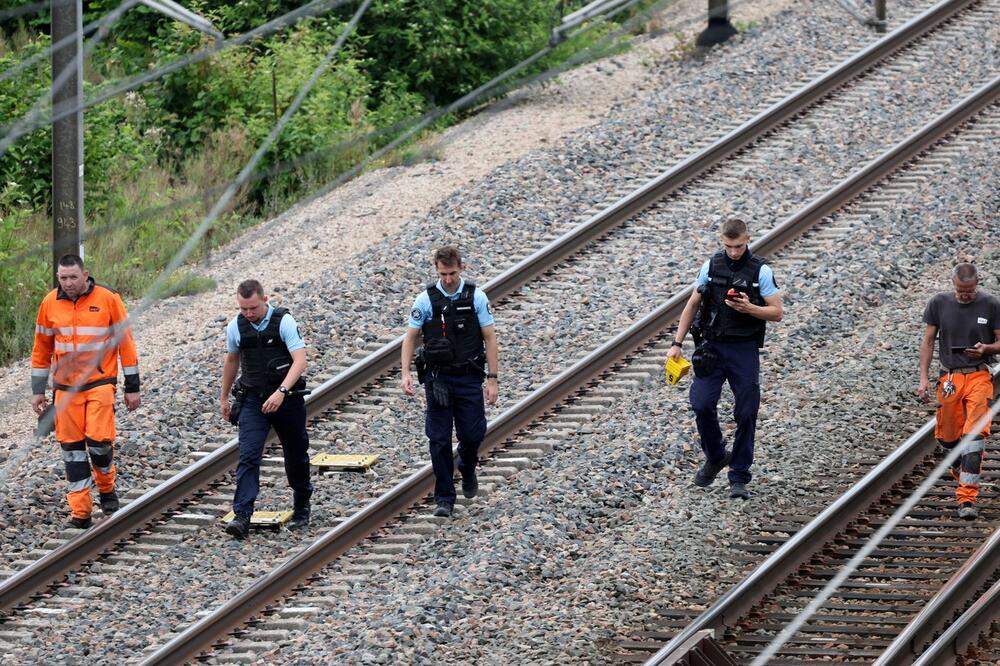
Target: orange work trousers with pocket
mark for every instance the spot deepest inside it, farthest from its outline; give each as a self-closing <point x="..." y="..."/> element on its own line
<point x="85" y="430"/>
<point x="957" y="416"/>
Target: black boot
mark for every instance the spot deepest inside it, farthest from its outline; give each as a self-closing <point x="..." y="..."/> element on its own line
<point x="109" y="502"/>
<point x="79" y="523"/>
<point x="300" y="516"/>
<point x="239" y="526"/>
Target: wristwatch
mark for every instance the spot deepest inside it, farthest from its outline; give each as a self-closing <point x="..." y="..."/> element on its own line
<point x="676" y="344"/>
<point x="282" y="390"/>
<point x="491" y="375"/>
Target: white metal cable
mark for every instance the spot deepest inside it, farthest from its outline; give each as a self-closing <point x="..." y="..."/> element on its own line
<point x="154" y="290"/>
<point x="479" y="93"/>
<point x="872" y="543"/>
<point x="26" y="123"/>
<point x="32" y="8"/>
<point x="92" y="233"/>
<point x="313" y="8"/>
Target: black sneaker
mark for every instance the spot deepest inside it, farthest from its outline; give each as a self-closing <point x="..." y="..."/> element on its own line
<point x="470" y="485"/>
<point x="109" y="502"/>
<point x="239" y="526"/>
<point x="707" y="472"/>
<point x="443" y="510"/>
<point x="80" y="523"/>
<point x="300" y="518"/>
<point x="967" y="511"/>
<point x="739" y="490"/>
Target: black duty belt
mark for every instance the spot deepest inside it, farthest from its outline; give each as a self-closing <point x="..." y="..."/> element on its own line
<point x="457" y="370"/>
<point x="966" y="371"/>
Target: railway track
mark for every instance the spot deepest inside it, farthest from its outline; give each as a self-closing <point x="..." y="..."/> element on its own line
<point x="362" y="386"/>
<point x="906" y="590"/>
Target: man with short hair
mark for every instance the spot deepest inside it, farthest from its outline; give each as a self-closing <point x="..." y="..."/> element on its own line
<point x="460" y="350"/>
<point x="966" y="321"/>
<point x="735" y="296"/>
<point x="81" y="330"/>
<point x="264" y="344"/>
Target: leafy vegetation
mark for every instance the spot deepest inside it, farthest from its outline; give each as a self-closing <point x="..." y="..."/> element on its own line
<point x="158" y="157"/>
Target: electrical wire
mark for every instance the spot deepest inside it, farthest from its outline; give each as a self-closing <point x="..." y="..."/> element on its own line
<point x="489" y="88"/>
<point x="153" y="292"/>
<point x="22" y="127"/>
<point x="817" y="602"/>
<point x="407" y="125"/>
<point x="26" y="123"/>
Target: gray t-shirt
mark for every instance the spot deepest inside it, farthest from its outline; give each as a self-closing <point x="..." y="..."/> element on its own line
<point x="963" y="325"/>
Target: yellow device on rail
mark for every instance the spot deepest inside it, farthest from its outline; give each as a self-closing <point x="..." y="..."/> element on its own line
<point x="677" y="368"/>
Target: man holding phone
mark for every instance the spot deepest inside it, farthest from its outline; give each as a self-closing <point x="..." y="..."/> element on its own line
<point x="966" y="322"/>
<point x="735" y="296"/>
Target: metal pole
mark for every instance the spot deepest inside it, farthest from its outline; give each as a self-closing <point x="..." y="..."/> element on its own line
<point x="880" y="22"/>
<point x="719" y="28"/>
<point x="67" y="133"/>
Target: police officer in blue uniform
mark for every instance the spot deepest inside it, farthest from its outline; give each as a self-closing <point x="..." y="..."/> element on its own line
<point x="735" y="296"/>
<point x="459" y="351"/>
<point x="264" y="344"/>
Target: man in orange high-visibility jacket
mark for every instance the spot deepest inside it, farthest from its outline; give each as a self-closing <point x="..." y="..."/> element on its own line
<point x="81" y="329"/>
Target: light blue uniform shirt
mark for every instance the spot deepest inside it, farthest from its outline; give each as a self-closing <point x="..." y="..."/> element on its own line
<point x="766" y="277"/>
<point x="288" y="330"/>
<point x="422" y="310"/>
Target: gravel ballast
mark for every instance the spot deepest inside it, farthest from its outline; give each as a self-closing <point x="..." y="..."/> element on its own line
<point x="514" y="205"/>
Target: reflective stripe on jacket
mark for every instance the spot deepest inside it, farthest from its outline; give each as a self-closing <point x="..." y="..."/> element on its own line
<point x="76" y="340"/>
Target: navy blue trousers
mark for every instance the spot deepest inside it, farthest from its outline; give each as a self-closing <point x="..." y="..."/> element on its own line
<point x="467" y="413"/>
<point x="289" y="423"/>
<point x="739" y="364"/>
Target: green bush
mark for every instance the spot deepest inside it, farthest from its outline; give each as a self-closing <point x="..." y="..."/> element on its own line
<point x="154" y="155"/>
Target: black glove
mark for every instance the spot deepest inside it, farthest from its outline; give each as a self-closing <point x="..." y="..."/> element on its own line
<point x="440" y="394"/>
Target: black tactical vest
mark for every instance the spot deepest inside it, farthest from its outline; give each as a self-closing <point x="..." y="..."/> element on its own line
<point x="264" y="358"/>
<point x="457" y="322"/>
<point x="716" y="320"/>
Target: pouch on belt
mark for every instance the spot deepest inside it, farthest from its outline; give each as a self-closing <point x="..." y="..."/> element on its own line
<point x="704" y="360"/>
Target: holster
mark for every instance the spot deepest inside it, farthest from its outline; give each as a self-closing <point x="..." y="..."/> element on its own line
<point x="421" y="365"/>
<point x="236" y="406"/>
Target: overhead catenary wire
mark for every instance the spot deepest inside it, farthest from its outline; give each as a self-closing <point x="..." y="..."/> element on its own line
<point x="817" y="602"/>
<point x="32" y="8"/>
<point x="20" y="128"/>
<point x="485" y="92"/>
<point x="154" y="290"/>
<point x="14" y="70"/>
<point x="26" y="123"/>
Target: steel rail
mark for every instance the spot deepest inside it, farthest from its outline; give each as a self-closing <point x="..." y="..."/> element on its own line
<point x="805" y="542"/>
<point x="50" y="568"/>
<point x="964" y="631"/>
<point x="280" y="581"/>
<point x="961" y="587"/>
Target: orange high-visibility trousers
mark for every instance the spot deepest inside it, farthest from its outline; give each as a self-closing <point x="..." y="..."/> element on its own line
<point x="85" y="430"/>
<point x="957" y="416"/>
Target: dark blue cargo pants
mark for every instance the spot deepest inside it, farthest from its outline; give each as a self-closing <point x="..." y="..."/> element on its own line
<point x="467" y="413"/>
<point x="289" y="423"/>
<point x="739" y="364"/>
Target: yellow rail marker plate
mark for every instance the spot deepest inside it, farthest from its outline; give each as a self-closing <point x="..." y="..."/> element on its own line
<point x="263" y="518"/>
<point x="359" y="463"/>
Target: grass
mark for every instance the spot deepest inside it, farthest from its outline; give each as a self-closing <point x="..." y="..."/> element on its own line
<point x="143" y="218"/>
